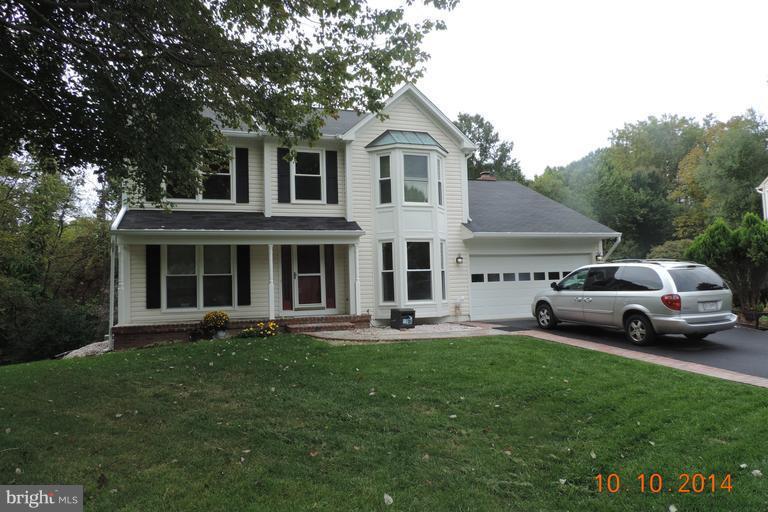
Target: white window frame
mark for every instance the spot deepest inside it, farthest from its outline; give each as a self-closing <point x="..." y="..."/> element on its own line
<point x="443" y="274"/>
<point x="321" y="153"/>
<point x="427" y="155"/>
<point x="379" y="179"/>
<point x="408" y="270"/>
<point x="199" y="263"/>
<point x="382" y="271"/>
<point x="203" y="275"/>
<point x="440" y="164"/>
<point x="199" y="196"/>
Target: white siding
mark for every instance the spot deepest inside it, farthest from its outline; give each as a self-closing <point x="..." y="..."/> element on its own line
<point x="404" y="114"/>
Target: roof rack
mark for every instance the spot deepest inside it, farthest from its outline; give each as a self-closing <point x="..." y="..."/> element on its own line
<point x="656" y="261"/>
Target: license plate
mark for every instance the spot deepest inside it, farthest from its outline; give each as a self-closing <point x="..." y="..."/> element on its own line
<point x="709" y="306"/>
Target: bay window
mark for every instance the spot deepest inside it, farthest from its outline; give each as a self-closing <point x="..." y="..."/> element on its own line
<point x="416" y="178"/>
<point x="419" y="271"/>
<point x="387" y="273"/>
<point x="307" y="173"/>
<point x="442" y="269"/>
<point x="440" y="182"/>
<point x="198" y="276"/>
<point x="385" y="180"/>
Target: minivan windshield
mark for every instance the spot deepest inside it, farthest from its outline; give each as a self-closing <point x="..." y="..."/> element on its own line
<point x="691" y="279"/>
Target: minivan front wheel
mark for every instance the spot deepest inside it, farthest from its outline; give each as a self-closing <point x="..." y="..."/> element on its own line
<point x="639" y="330"/>
<point x="545" y="317"/>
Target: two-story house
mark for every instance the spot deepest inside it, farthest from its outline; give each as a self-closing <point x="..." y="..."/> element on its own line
<point x="375" y="215"/>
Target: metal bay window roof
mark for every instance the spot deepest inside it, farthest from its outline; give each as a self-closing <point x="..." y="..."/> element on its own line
<point x="392" y="137"/>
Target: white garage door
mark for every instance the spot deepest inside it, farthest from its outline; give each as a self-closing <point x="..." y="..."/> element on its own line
<point x="504" y="286"/>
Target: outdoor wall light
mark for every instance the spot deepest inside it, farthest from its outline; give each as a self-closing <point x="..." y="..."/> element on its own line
<point x="459" y="259"/>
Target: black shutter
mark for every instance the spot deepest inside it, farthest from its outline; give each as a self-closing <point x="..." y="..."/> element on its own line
<point x="286" y="271"/>
<point x="330" y="278"/>
<point x="153" y="276"/>
<point x="283" y="176"/>
<point x="241" y="175"/>
<point x="331" y="177"/>
<point x="243" y="275"/>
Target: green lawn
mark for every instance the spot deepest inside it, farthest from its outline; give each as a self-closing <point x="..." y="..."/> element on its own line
<point x="294" y="424"/>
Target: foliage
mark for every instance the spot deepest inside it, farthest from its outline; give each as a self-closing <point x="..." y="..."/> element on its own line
<point x="260" y="330"/>
<point x="292" y="423"/>
<point x="215" y="321"/>
<point x="739" y="254"/>
<point x="129" y="87"/>
<point x="53" y="266"/>
<point x="492" y="155"/>
<point x="670" y="250"/>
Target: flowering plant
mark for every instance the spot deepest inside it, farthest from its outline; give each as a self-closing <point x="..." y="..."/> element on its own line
<point x="260" y="330"/>
<point x="215" y="321"/>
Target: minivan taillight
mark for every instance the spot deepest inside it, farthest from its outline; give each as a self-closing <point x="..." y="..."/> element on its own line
<point x="672" y="301"/>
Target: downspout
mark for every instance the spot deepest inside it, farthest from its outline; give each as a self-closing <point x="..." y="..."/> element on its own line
<point x="111" y="290"/>
<point x="613" y="248"/>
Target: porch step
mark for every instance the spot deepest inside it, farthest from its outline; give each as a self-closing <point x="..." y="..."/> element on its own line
<point x="323" y="326"/>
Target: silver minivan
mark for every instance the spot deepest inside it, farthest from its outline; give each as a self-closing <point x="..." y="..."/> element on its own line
<point x="642" y="297"/>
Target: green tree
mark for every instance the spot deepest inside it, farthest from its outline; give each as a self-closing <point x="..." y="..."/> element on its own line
<point x="493" y="155"/>
<point x="670" y="250"/>
<point x="124" y="86"/>
<point x="739" y="254"/>
<point x="551" y="183"/>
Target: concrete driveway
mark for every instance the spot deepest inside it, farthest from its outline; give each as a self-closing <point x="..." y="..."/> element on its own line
<point x="739" y="349"/>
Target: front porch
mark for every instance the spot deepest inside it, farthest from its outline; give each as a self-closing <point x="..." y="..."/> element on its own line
<point x="170" y="274"/>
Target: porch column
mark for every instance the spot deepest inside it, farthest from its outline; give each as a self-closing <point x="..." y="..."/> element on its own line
<point x="352" y="278"/>
<point x="271" y="287"/>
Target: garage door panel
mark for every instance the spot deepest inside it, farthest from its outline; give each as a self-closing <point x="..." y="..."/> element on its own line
<point x="503" y="297"/>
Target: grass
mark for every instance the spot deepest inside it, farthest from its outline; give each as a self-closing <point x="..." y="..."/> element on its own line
<point x="290" y="423"/>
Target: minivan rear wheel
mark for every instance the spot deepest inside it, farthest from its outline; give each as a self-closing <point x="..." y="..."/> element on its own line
<point x="639" y="330"/>
<point x="545" y="317"/>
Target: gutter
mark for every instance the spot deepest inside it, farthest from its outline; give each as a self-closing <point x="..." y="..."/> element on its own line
<point x="513" y="234"/>
<point x="256" y="233"/>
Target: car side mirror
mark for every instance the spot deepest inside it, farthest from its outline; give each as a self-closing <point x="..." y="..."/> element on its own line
<point x="555" y="286"/>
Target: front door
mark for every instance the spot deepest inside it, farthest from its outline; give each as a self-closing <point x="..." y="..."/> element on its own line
<point x="308" y="277"/>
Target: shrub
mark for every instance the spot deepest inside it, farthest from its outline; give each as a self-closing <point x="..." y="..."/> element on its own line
<point x="260" y="330"/>
<point x="215" y="321"/>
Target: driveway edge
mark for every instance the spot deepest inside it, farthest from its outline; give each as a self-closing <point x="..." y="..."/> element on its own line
<point x="701" y="369"/>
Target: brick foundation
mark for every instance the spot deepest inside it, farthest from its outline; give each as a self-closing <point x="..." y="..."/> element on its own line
<point x="131" y="336"/>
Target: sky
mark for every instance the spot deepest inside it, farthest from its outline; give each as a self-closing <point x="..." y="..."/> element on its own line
<point x="556" y="76"/>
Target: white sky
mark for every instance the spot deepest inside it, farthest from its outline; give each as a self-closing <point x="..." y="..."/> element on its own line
<point x="557" y="76"/>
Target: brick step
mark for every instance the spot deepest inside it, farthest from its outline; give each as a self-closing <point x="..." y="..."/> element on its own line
<point x="323" y="326"/>
<point x="326" y="319"/>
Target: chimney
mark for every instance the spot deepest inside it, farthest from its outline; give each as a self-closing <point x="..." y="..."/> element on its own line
<point x="486" y="176"/>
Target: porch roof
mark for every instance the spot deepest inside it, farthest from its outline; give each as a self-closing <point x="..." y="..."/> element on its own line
<point x="145" y="220"/>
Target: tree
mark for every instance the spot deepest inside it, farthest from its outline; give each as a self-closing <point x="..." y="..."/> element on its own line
<point x="125" y="86"/>
<point x="670" y="250"/>
<point x="551" y="183"/>
<point x="739" y="254"/>
<point x="492" y="155"/>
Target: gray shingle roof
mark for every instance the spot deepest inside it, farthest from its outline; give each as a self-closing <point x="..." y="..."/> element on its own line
<point x="347" y="119"/>
<point x="509" y="207"/>
<point x="229" y="221"/>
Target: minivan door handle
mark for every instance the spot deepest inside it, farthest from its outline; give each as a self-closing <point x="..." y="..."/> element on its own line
<point x="587" y="299"/>
<point x="577" y="299"/>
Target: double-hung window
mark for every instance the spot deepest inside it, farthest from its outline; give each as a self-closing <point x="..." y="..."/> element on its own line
<point x="307" y="171"/>
<point x="416" y="178"/>
<point x="387" y="273"/>
<point x="198" y="276"/>
<point x="419" y="271"/>
<point x="440" y="192"/>
<point x="217" y="275"/>
<point x="217" y="184"/>
<point x="442" y="270"/>
<point x="385" y="180"/>
<point x="181" y="276"/>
